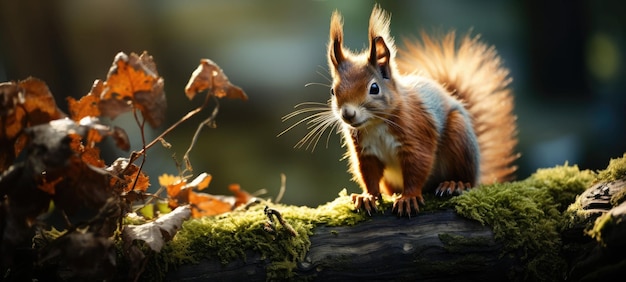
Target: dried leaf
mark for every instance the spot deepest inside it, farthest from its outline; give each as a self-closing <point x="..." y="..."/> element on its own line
<point x="157" y="232"/>
<point x="168" y="179"/>
<point x="201" y="182"/>
<point x="87" y="105"/>
<point x="23" y="104"/>
<point x="88" y="154"/>
<point x="39" y="102"/>
<point x="125" y="176"/>
<point x="174" y="185"/>
<point x="121" y="138"/>
<point x="204" y="204"/>
<point x="49" y="186"/>
<point x="209" y="76"/>
<point x="134" y="80"/>
<point x="59" y="150"/>
<point x="241" y="197"/>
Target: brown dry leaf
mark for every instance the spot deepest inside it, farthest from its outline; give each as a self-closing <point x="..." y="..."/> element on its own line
<point x="87" y="105"/>
<point x="10" y="111"/>
<point x="172" y="183"/>
<point x="121" y="170"/>
<point x="88" y="154"/>
<point x="121" y="138"/>
<point x="208" y="75"/>
<point x="241" y="197"/>
<point x="204" y="204"/>
<point x="134" y="80"/>
<point x="66" y="152"/>
<point x="181" y="193"/>
<point x="200" y="182"/>
<point x="23" y="104"/>
<point x="49" y="186"/>
<point x="39" y="102"/>
<point x="143" y="181"/>
<point x="168" y="179"/>
<point x="157" y="232"/>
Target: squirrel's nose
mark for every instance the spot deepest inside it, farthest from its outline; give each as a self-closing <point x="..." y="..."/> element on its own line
<point x="348" y="114"/>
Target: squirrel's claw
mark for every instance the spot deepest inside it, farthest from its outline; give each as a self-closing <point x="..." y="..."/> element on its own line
<point x="365" y="200"/>
<point x="406" y="205"/>
<point x="450" y="187"/>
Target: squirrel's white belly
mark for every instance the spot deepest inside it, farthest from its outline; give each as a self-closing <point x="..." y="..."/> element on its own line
<point x="376" y="140"/>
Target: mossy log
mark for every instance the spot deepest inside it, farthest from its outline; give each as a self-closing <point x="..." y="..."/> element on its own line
<point x="560" y="224"/>
<point x="433" y="246"/>
<point x="602" y="215"/>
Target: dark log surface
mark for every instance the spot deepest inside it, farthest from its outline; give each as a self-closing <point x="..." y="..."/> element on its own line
<point x="432" y="246"/>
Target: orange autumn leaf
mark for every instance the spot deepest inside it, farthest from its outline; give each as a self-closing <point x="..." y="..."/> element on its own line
<point x="143" y="181"/>
<point x="181" y="193"/>
<point x="241" y="197"/>
<point x="39" y="102"/>
<point x="172" y="183"/>
<point x="205" y="205"/>
<point x="134" y="81"/>
<point x="125" y="176"/>
<point x="23" y="104"/>
<point x="167" y="179"/>
<point x="49" y="186"/>
<point x="88" y="154"/>
<point x="209" y="76"/>
<point x="200" y="182"/>
<point x="86" y="105"/>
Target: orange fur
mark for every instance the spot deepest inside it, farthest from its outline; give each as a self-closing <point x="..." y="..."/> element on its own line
<point x="441" y="114"/>
<point x="473" y="73"/>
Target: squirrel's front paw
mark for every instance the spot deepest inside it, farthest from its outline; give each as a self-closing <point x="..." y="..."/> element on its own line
<point x="366" y="200"/>
<point x="406" y="205"/>
<point x="451" y="187"/>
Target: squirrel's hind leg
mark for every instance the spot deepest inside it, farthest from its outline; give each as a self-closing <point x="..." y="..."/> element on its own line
<point x="459" y="156"/>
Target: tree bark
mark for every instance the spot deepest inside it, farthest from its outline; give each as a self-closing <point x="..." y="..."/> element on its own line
<point x="440" y="246"/>
<point x="432" y="246"/>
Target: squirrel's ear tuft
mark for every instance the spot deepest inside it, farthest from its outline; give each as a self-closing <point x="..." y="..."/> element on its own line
<point x="335" y="46"/>
<point x="382" y="47"/>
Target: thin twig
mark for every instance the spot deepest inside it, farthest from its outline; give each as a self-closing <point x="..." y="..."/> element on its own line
<point x="283" y="186"/>
<point x="210" y="121"/>
<point x="143" y="143"/>
<point x="190" y="114"/>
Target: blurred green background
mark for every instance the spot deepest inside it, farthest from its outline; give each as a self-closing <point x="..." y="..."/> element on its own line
<point x="567" y="59"/>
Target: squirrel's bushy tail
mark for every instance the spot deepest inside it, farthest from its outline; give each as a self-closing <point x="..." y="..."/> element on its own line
<point x="473" y="73"/>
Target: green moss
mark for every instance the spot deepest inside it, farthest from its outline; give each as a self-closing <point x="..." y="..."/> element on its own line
<point x="527" y="215"/>
<point x="614" y="171"/>
<point x="227" y="237"/>
<point x="575" y="213"/>
<point x="563" y="183"/>
<point x="602" y="222"/>
<point x="618" y="198"/>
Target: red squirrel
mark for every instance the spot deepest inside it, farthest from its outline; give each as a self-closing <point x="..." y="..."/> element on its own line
<point x="439" y="117"/>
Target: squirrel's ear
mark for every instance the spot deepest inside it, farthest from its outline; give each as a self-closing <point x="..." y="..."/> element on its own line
<point x="335" y="46"/>
<point x="381" y="43"/>
<point x="380" y="56"/>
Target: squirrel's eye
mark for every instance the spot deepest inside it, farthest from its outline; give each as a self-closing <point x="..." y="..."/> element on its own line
<point x="374" y="89"/>
<point x="332" y="92"/>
